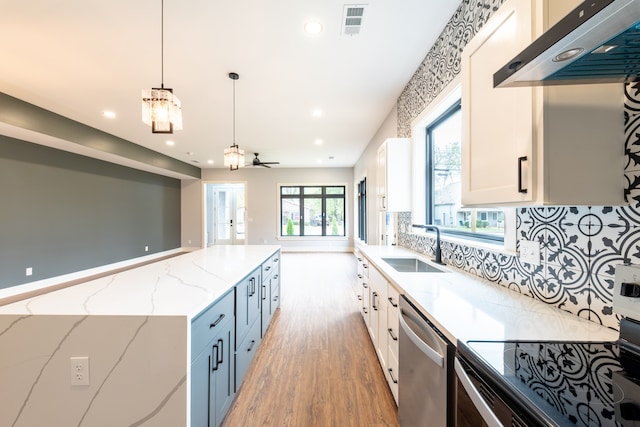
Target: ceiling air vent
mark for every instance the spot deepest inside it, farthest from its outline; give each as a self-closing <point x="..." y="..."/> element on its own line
<point x="352" y="19"/>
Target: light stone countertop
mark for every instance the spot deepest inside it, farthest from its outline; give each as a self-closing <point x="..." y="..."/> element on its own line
<point x="465" y="307"/>
<point x="182" y="285"/>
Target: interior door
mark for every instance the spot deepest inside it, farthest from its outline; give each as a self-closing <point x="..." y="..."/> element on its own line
<point x="225" y="214"/>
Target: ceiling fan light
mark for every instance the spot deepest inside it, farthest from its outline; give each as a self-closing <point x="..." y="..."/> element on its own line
<point x="234" y="157"/>
<point x="161" y="110"/>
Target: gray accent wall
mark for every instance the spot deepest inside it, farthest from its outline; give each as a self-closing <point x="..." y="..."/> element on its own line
<point x="61" y="212"/>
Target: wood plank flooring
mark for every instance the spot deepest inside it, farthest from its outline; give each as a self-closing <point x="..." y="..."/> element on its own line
<point x="316" y="365"/>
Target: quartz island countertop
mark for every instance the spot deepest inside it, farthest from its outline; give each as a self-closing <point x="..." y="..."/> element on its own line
<point x="465" y="307"/>
<point x="180" y="285"/>
<point x="134" y="329"/>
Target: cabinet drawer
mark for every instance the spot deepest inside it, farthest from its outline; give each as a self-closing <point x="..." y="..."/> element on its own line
<point x="207" y="324"/>
<point x="245" y="352"/>
<point x="271" y="266"/>
<point x="275" y="292"/>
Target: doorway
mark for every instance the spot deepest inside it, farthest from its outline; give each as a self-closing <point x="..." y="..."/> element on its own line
<point x="224" y="214"/>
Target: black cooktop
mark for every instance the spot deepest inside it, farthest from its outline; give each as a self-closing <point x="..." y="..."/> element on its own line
<point x="564" y="383"/>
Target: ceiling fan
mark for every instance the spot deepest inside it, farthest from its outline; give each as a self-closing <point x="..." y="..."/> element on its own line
<point x="256" y="162"/>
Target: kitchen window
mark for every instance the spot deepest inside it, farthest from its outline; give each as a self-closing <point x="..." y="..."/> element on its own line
<point x="444" y="183"/>
<point x="312" y="210"/>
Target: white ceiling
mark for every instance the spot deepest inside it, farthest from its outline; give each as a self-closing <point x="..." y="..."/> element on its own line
<point x="80" y="57"/>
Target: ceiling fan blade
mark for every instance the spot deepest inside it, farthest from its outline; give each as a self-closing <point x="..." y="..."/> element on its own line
<point x="269" y="163"/>
<point x="265" y="165"/>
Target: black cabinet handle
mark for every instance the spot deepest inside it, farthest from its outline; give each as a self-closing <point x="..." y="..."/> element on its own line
<point x="251" y="345"/>
<point x="392" y="303"/>
<point x="359" y="276"/>
<point x="214" y="357"/>
<point x="373" y="303"/>
<point x="264" y="292"/>
<point x="520" y="161"/>
<point x="393" y="337"/>
<point x="276" y="259"/>
<point x="275" y="276"/>
<point x="268" y="268"/>
<point x="394" y="379"/>
<point x="364" y="285"/>
<point x="275" y="298"/>
<point x="220" y="351"/>
<point x="218" y="320"/>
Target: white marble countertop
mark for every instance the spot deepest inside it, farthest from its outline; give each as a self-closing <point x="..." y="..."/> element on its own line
<point x="466" y="307"/>
<point x="181" y="285"/>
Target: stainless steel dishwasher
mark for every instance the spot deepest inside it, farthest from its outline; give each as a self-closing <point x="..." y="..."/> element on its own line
<point x="425" y="390"/>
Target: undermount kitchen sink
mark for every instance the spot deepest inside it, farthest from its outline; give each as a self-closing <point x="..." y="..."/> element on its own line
<point x="411" y="265"/>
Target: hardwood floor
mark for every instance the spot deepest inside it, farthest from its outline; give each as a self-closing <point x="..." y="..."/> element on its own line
<point x="316" y="365"/>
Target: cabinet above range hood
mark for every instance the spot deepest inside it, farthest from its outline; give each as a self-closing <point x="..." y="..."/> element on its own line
<point x="598" y="42"/>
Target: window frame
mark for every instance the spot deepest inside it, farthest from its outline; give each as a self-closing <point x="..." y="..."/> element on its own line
<point x="301" y="196"/>
<point x="362" y="209"/>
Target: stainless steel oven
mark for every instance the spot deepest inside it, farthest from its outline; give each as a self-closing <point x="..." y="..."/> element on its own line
<point x="555" y="383"/>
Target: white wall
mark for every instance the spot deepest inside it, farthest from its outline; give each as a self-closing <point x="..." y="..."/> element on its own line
<point x="366" y="167"/>
<point x="262" y="205"/>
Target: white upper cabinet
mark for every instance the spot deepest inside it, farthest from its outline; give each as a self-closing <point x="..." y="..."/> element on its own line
<point x="554" y="145"/>
<point x="394" y="175"/>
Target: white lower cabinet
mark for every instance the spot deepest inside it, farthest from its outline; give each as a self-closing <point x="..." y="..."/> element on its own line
<point x="382" y="324"/>
<point x="393" y="329"/>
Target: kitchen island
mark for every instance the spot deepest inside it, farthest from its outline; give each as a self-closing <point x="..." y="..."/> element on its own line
<point x="134" y="328"/>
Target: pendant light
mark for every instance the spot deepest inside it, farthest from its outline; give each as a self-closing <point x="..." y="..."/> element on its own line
<point x="234" y="156"/>
<point x="161" y="109"/>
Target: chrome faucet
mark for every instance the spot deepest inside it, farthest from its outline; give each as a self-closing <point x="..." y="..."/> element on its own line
<point x="438" y="251"/>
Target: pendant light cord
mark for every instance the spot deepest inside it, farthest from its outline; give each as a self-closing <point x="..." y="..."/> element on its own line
<point x="234" y="112"/>
<point x="162" y="44"/>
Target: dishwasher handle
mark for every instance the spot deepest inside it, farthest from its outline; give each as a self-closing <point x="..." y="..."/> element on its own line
<point x="428" y="351"/>
<point x="483" y="408"/>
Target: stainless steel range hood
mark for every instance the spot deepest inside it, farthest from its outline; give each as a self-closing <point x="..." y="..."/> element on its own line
<point x="598" y="42"/>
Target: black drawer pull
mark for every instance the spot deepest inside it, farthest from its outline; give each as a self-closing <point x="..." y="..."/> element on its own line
<point x="268" y="268"/>
<point x="395" y="304"/>
<point x="218" y="320"/>
<point x="395" y="381"/>
<point x="264" y="292"/>
<point x="251" y="345"/>
<point x="393" y="337"/>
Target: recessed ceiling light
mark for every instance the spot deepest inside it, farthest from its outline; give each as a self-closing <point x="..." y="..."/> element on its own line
<point x="318" y="141"/>
<point x="313" y="27"/>
<point x="109" y="114"/>
<point x="317" y="112"/>
<point x="170" y="143"/>
<point x="210" y="162"/>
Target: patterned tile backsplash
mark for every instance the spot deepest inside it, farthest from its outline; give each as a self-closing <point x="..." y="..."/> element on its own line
<point x="580" y="246"/>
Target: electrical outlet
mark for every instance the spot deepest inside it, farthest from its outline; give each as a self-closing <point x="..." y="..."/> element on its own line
<point x="530" y="252"/>
<point x="29" y="271"/>
<point x="79" y="370"/>
<point x="146" y="248"/>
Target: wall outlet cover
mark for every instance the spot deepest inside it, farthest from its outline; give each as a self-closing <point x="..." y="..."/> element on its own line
<point x="530" y="252"/>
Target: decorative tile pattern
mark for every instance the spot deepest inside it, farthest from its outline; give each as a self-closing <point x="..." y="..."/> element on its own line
<point x="442" y="63"/>
<point x="580" y="246"/>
